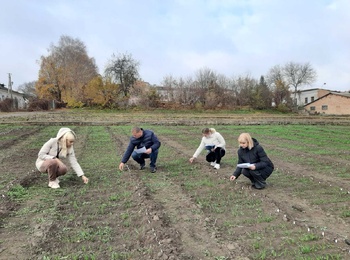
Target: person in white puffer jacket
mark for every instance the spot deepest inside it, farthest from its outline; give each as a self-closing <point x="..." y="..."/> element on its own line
<point x="214" y="143"/>
<point x="51" y="153"/>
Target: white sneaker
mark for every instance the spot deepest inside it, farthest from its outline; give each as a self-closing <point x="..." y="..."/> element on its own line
<point x="54" y="184"/>
<point x="217" y="166"/>
<point x="212" y="163"/>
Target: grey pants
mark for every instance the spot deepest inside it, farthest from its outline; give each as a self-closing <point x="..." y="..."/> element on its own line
<point x="54" y="168"/>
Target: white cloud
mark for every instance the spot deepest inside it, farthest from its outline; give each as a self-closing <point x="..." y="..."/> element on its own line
<point x="180" y="37"/>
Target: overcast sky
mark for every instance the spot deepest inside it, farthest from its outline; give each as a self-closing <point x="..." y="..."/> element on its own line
<point x="180" y="37"/>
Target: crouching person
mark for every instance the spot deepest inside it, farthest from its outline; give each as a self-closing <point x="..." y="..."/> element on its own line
<point x="50" y="154"/>
<point x="252" y="156"/>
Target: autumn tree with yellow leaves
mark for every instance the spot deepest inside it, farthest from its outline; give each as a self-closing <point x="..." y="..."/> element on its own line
<point x="102" y="92"/>
<point x="66" y="72"/>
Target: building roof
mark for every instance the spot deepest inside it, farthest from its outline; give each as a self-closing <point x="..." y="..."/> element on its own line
<point x="311" y="89"/>
<point x="2" y="87"/>
<point x="342" y="94"/>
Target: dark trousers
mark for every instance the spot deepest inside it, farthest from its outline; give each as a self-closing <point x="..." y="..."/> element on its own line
<point x="140" y="158"/>
<point x="216" y="155"/>
<point x="54" y="168"/>
<point x="258" y="178"/>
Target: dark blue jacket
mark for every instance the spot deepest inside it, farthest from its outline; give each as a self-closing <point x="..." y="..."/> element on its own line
<point x="256" y="156"/>
<point x="148" y="140"/>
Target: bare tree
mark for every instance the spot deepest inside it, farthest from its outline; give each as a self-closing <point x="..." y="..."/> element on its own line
<point x="226" y="95"/>
<point x="244" y="90"/>
<point x="281" y="95"/>
<point x="292" y="75"/>
<point x="188" y="90"/>
<point x="276" y="82"/>
<point x="169" y="83"/>
<point x="274" y="75"/>
<point x="28" y="89"/>
<point x="123" y="69"/>
<point x="204" y="78"/>
<point x="296" y="75"/>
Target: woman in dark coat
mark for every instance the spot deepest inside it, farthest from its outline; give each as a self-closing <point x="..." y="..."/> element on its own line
<point x="252" y="162"/>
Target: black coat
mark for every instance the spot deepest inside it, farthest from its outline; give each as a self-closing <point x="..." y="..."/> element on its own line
<point x="257" y="156"/>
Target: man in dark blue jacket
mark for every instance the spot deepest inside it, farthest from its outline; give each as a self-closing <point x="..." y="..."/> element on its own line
<point x="146" y="144"/>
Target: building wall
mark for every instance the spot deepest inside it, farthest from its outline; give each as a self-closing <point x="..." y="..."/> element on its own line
<point x="321" y="93"/>
<point x="15" y="95"/>
<point x="306" y="96"/>
<point x="330" y="105"/>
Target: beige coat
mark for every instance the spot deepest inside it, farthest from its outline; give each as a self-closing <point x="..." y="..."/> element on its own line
<point x="50" y="150"/>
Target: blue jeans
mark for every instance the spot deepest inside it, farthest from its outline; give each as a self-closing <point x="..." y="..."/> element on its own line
<point x="140" y="158"/>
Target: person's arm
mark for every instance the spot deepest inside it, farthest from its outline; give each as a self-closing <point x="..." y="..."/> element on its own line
<point x="238" y="170"/>
<point x="262" y="157"/>
<point x="121" y="166"/>
<point x="155" y="142"/>
<point x="44" y="153"/>
<point x="85" y="179"/>
<point x="221" y="140"/>
<point x="128" y="152"/>
<point x="76" y="166"/>
<point x="198" y="151"/>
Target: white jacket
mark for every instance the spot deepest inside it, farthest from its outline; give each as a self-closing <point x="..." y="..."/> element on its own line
<point x="50" y="150"/>
<point x="214" y="139"/>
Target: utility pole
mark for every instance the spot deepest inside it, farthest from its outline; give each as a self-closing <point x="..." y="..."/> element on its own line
<point x="9" y="90"/>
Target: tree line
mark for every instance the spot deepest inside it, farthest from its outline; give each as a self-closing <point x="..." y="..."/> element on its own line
<point x="70" y="77"/>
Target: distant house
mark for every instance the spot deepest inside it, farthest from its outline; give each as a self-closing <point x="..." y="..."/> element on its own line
<point x="304" y="97"/>
<point x="333" y="103"/>
<point x="20" y="101"/>
<point x="165" y="93"/>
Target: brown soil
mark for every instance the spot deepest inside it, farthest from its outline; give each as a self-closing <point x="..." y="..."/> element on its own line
<point x="174" y="225"/>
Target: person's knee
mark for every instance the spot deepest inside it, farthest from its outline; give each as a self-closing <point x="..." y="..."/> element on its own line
<point x="135" y="156"/>
<point x="63" y="169"/>
<point x="246" y="172"/>
<point x="52" y="165"/>
<point x="256" y="174"/>
<point x="266" y="174"/>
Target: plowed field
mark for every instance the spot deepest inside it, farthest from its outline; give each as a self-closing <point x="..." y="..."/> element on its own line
<point x="183" y="211"/>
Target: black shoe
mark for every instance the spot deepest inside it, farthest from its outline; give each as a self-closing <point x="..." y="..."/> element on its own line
<point x="254" y="187"/>
<point x="142" y="167"/>
<point x="153" y="169"/>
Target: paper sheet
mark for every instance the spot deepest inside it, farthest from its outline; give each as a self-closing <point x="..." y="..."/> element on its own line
<point x="244" y="165"/>
<point x="141" y="150"/>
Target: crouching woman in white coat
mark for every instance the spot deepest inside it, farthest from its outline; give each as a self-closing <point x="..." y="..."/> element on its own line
<point x="51" y="153"/>
<point x="214" y="143"/>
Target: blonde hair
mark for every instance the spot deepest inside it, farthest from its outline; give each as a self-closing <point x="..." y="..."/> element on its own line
<point x="245" y="137"/>
<point x="63" y="143"/>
